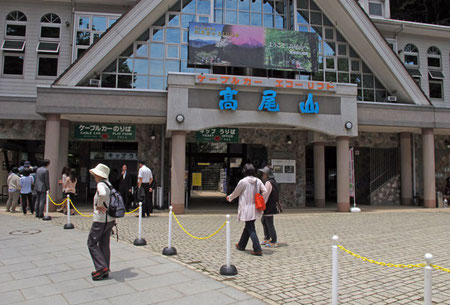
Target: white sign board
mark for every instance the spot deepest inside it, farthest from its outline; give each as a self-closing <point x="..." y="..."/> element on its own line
<point x="284" y="170"/>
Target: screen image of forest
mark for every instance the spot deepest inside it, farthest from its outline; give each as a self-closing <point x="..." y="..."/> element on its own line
<point x="253" y="47"/>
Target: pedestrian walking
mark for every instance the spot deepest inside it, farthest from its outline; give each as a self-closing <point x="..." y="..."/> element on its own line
<point x="13" y="182"/>
<point x="125" y="186"/>
<point x="64" y="175"/>
<point x="246" y="190"/>
<point x="102" y="224"/>
<point x="42" y="185"/>
<point x="69" y="186"/>
<point x="26" y="187"/>
<point x="271" y="199"/>
<point x="145" y="178"/>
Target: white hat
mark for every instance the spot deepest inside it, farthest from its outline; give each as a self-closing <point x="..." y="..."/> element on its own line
<point x="100" y="170"/>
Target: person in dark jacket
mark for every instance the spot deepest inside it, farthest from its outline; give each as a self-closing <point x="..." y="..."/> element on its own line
<point x="271" y="199"/>
<point x="126" y="182"/>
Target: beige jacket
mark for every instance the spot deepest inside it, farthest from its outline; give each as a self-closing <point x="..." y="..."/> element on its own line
<point x="13" y="182"/>
<point x="246" y="190"/>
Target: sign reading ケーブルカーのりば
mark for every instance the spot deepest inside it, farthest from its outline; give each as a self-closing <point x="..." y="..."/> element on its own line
<point x="105" y="132"/>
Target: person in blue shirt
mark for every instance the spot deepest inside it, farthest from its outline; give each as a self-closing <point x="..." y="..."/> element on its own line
<point x="26" y="184"/>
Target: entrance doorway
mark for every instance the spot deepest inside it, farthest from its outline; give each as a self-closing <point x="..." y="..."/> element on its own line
<point x="84" y="155"/>
<point x="214" y="170"/>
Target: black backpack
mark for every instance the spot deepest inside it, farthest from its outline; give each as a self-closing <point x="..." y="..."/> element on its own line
<point x="116" y="207"/>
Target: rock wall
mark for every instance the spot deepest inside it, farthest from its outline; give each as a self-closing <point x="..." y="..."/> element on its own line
<point x="22" y="130"/>
<point x="389" y="193"/>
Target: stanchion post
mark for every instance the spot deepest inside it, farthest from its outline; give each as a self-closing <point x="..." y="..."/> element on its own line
<point x="335" y="272"/>
<point x="68" y="225"/>
<point x="46" y="217"/>
<point x="169" y="250"/>
<point x="428" y="294"/>
<point x="140" y="241"/>
<point x="228" y="268"/>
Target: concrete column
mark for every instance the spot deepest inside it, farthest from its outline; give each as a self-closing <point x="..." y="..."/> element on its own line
<point x="178" y="153"/>
<point x="429" y="178"/>
<point x="51" y="152"/>
<point x="343" y="174"/>
<point x="63" y="147"/>
<point x="406" y="168"/>
<point x="319" y="174"/>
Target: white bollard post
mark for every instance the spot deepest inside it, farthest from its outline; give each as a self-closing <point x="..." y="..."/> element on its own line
<point x="169" y="250"/>
<point x="228" y="268"/>
<point x="140" y="241"/>
<point x="335" y="272"/>
<point x="68" y="225"/>
<point x="46" y="217"/>
<point x="428" y="293"/>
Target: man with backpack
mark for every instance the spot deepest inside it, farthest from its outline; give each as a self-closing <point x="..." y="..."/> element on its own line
<point x="108" y="205"/>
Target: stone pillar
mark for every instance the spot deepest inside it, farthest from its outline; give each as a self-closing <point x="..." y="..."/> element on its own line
<point x="51" y="152"/>
<point x="343" y="174"/>
<point x="178" y="152"/>
<point x="63" y="147"/>
<point x="319" y="174"/>
<point x="429" y="178"/>
<point x="406" y="168"/>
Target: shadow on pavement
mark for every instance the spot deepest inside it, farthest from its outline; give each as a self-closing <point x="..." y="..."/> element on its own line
<point x="122" y="275"/>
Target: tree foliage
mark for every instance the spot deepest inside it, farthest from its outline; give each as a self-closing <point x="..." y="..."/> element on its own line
<point x="426" y="11"/>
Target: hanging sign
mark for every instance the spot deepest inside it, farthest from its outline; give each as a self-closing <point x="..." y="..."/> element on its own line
<point x="352" y="172"/>
<point x="105" y="132"/>
<point x="224" y="135"/>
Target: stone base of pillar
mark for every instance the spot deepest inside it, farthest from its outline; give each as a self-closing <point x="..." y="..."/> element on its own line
<point x="407" y="201"/>
<point x="320" y="203"/>
<point x="430" y="204"/>
<point x="343" y="206"/>
<point x="178" y="208"/>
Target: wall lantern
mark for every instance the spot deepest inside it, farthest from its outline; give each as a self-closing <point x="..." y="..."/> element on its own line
<point x="348" y="125"/>
<point x="180" y="118"/>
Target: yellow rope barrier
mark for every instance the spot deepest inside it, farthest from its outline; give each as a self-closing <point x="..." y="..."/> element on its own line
<point x="132" y="211"/>
<point x="57" y="204"/>
<point x="440" y="268"/>
<point x="365" y="259"/>
<point x="195" y="237"/>
<point x="81" y="214"/>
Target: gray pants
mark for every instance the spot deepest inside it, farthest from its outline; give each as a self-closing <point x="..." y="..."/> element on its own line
<point x="40" y="203"/>
<point x="98" y="243"/>
<point x="13" y="201"/>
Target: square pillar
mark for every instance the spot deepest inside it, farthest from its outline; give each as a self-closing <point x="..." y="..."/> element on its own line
<point x="319" y="175"/>
<point x="343" y="174"/>
<point x="406" y="169"/>
<point x="429" y="178"/>
<point x="178" y="170"/>
<point x="51" y="151"/>
<point x="63" y="148"/>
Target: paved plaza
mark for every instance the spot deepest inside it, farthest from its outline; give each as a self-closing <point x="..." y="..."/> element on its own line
<point x="299" y="270"/>
<point x="41" y="264"/>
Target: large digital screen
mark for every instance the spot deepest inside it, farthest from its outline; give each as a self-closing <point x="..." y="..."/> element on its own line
<point x="252" y="47"/>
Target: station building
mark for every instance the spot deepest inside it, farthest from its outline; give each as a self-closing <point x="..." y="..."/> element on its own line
<point x="88" y="81"/>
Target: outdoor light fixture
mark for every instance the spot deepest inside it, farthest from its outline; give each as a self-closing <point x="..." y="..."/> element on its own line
<point x="67" y="23"/>
<point x="348" y="125"/>
<point x="447" y="143"/>
<point x="288" y="140"/>
<point x="180" y="118"/>
<point x="153" y="137"/>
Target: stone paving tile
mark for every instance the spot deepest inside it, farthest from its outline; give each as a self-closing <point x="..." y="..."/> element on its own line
<point x="11" y="297"/>
<point x="301" y="265"/>
<point x="150" y="296"/>
<point x="210" y="297"/>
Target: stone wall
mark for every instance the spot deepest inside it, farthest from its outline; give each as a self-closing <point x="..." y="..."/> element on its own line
<point x="375" y="140"/>
<point x="389" y="193"/>
<point x="442" y="162"/>
<point x="22" y="130"/>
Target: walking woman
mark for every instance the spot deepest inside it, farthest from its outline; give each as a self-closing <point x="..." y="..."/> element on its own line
<point x="247" y="212"/>
<point x="271" y="199"/>
<point x="65" y="174"/>
<point x="69" y="186"/>
<point x="102" y="224"/>
<point x="26" y="187"/>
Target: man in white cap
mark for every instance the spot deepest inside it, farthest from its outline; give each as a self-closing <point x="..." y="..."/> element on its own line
<point x="102" y="224"/>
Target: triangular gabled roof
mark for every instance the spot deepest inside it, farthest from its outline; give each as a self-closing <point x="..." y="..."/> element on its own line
<point x="347" y="15"/>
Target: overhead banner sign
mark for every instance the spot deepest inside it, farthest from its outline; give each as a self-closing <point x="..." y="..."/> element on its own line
<point x="105" y="132"/>
<point x="224" y="135"/>
<point x="254" y="47"/>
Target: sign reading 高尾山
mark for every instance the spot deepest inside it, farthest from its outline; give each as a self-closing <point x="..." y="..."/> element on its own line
<point x="105" y="132"/>
<point x="220" y="134"/>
